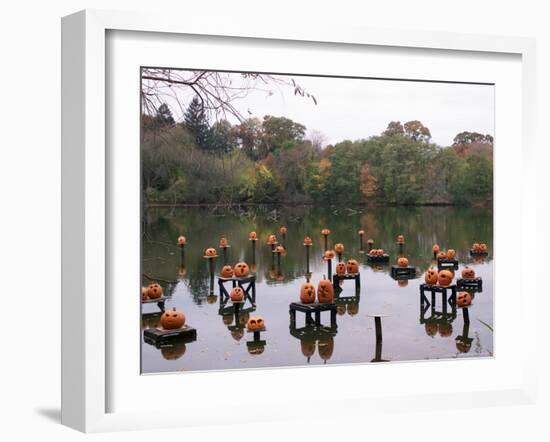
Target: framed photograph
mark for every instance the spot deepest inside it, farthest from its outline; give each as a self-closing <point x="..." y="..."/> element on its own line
<point x="294" y="207"/>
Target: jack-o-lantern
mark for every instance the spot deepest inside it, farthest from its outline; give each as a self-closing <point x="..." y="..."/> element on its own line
<point x="280" y="249"/>
<point x="172" y="319"/>
<point x="182" y="240"/>
<point x="223" y="243"/>
<point x="210" y="252"/>
<point x="401" y="239"/>
<point x="445" y="278"/>
<point x="308" y="347"/>
<point x="173" y="352"/>
<point x="325" y="347"/>
<point x="307" y="293"/>
<point x="352" y="266"/>
<point x="435" y="248"/>
<point x="272" y="239"/>
<point x="143" y="293"/>
<point x="339" y="248"/>
<point x="340" y="269"/>
<point x="325" y="232"/>
<point x="254" y="323"/>
<point x="261" y="322"/>
<point x="441" y="255"/>
<point x="403" y="262"/>
<point x="154" y="291"/>
<point x="451" y="253"/>
<point x="431" y="276"/>
<point x="353" y="308"/>
<point x="237" y="294"/>
<point x="226" y="272"/>
<point x="468" y="273"/>
<point x="329" y="254"/>
<point x="325" y="292"/>
<point x="483" y="248"/>
<point x="431" y="328"/>
<point x="463" y="299"/>
<point x="475" y="247"/>
<point x="370" y="241"/>
<point x="445" y="329"/>
<point x="283" y="230"/>
<point x="307" y="241"/>
<point x="252" y="236"/>
<point x="403" y="282"/>
<point x="241" y="270"/>
<point x="361" y="232"/>
<point x="380" y="252"/>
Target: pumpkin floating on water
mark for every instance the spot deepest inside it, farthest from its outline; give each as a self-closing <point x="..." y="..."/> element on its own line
<point x="445" y="329"/>
<point x="223" y="243"/>
<point x="325" y="232"/>
<point x="403" y="262"/>
<point x="451" y="253"/>
<point x="172" y="319"/>
<point x="435" y="248"/>
<point x="241" y="270"/>
<point x="307" y="241"/>
<point x="463" y="299"/>
<point x="352" y="266"/>
<point x="401" y="239"/>
<point x="441" y="255"/>
<point x="329" y="254"/>
<point x="283" y="230"/>
<point x="307" y="293"/>
<point x="227" y="272"/>
<point x="154" y="291"/>
<point x="182" y="240"/>
<point x="252" y="236"/>
<point x="445" y="278"/>
<point x="339" y="248"/>
<point x="325" y="347"/>
<point x="340" y="269"/>
<point x="483" y="248"/>
<point x="325" y="292"/>
<point x="211" y="252"/>
<point x="237" y="294"/>
<point x="431" y="276"/>
<point x="468" y="273"/>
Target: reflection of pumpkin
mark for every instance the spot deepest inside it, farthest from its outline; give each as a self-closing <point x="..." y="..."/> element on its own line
<point x="329" y="254"/>
<point x="182" y="240"/>
<point x="463" y="299"/>
<point x="353" y="308"/>
<point x="462" y="346"/>
<point x="210" y="252"/>
<point x="272" y="239"/>
<point x="143" y="293"/>
<point x="468" y="273"/>
<point x="325" y="347"/>
<point x="445" y="278"/>
<point x="227" y="272"/>
<point x="352" y="266"/>
<point x="173" y="352"/>
<point x="237" y="294"/>
<point x="255" y="348"/>
<point x="283" y="230"/>
<point x="483" y="248"/>
<point x="223" y="243"/>
<point x="227" y="319"/>
<point x="340" y="269"/>
<point x="307" y="241"/>
<point x="431" y="276"/>
<point x="403" y="282"/>
<point x="253" y="236"/>
<point x="451" y="254"/>
<point x="325" y="232"/>
<point x="445" y="329"/>
<point x="154" y="291"/>
<point x="403" y="262"/>
<point x="475" y="247"/>
<point x="243" y="318"/>
<point x="325" y="292"/>
<point x="307" y="293"/>
<point x="211" y="299"/>
<point x="241" y="270"/>
<point x="435" y="248"/>
<point x="441" y="255"/>
<point x="308" y="347"/>
<point x="237" y="334"/>
<point x="341" y="309"/>
<point x="339" y="248"/>
<point x="431" y="328"/>
<point x="172" y="319"/>
<point x="401" y="239"/>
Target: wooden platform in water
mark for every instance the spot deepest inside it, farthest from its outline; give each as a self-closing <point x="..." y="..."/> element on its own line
<point x="156" y="335"/>
<point x="312" y="309"/>
<point x="470" y="284"/>
<point x="373" y="258"/>
<point x="398" y="272"/>
<point x="472" y="253"/>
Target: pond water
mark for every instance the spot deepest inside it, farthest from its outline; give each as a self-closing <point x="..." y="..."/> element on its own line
<point x="222" y="342"/>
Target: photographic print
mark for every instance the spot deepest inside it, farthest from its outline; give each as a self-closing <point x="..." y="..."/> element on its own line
<point x="295" y="220"/>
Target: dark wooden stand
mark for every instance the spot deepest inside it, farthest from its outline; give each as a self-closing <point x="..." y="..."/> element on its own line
<point x="384" y="258"/>
<point x="473" y="284"/>
<point x="348" y="276"/>
<point x="398" y="272"/>
<point x="248" y="285"/>
<point x="447" y="264"/>
<point x="156" y="336"/>
<point x="309" y="310"/>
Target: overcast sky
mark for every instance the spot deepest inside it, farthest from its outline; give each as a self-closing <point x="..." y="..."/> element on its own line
<point x="359" y="108"/>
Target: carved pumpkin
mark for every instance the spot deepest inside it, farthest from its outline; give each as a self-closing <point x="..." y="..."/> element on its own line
<point x="441" y="255"/>
<point x="483" y="248"/>
<point x="182" y="240"/>
<point x="403" y="262"/>
<point x="154" y="291"/>
<point x="252" y="324"/>
<point x="283" y="230"/>
<point x="143" y="293"/>
<point x="272" y="239"/>
<point x="340" y="269"/>
<point x="325" y="292"/>
<point x="468" y="273"/>
<point x="173" y="352"/>
<point x="370" y="241"/>
<point x="211" y="252"/>
<point x="431" y="276"/>
<point x="308" y="347"/>
<point x="401" y="239"/>
<point x="445" y="278"/>
<point x="237" y="294"/>
<point x="172" y="319"/>
<point x="435" y="248"/>
<point x="463" y="299"/>
<point x="241" y="270"/>
<point x="223" y="243"/>
<point x="227" y="272"/>
<point x="307" y="241"/>
<point x="339" y="248"/>
<point x="353" y="308"/>
<point x="380" y="252"/>
<point x="475" y="247"/>
<point x="361" y="232"/>
<point x="325" y="347"/>
<point x="252" y="236"/>
<point x="352" y="266"/>
<point x="431" y="328"/>
<point x="451" y="254"/>
<point x="307" y="293"/>
<point x="329" y="254"/>
<point x="280" y="249"/>
<point x="325" y="232"/>
<point x="445" y="329"/>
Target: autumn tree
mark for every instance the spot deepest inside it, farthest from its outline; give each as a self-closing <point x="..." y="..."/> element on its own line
<point x="280" y="132"/>
<point x="417" y="131"/>
<point x="368" y="182"/>
<point x="394" y="128"/>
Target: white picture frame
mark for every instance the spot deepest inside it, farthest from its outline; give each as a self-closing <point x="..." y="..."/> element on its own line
<point x="87" y="214"/>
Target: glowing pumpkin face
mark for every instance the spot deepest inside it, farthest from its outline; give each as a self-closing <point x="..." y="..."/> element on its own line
<point x="172" y="319"/>
<point x="435" y="248"/>
<point x="210" y="252"/>
<point x="431" y="276"/>
<point x="227" y="272"/>
<point x="401" y="239"/>
<point x="307" y="241"/>
<point x="463" y="299"/>
<point x="237" y="294"/>
<point x="252" y="236"/>
<point x="451" y="254"/>
<point x="325" y="292"/>
<point x="441" y="255"/>
<point x="325" y="232"/>
<point x="325" y="347"/>
<point x="403" y="262"/>
<point x="329" y="254"/>
<point x="223" y="243"/>
<point x="445" y="278"/>
<point x="483" y="248"/>
<point x="181" y="240"/>
<point x="468" y="273"/>
<point x="307" y="293"/>
<point x="339" y="248"/>
<point x="154" y="291"/>
<point x="241" y="270"/>
<point x="352" y="266"/>
<point x="340" y="268"/>
<point x="283" y="230"/>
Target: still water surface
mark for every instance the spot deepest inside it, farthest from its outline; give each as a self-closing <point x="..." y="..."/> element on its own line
<point x="222" y="340"/>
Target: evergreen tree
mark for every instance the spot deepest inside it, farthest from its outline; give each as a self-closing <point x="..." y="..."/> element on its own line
<point x="196" y="122"/>
<point x="164" y="116"/>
